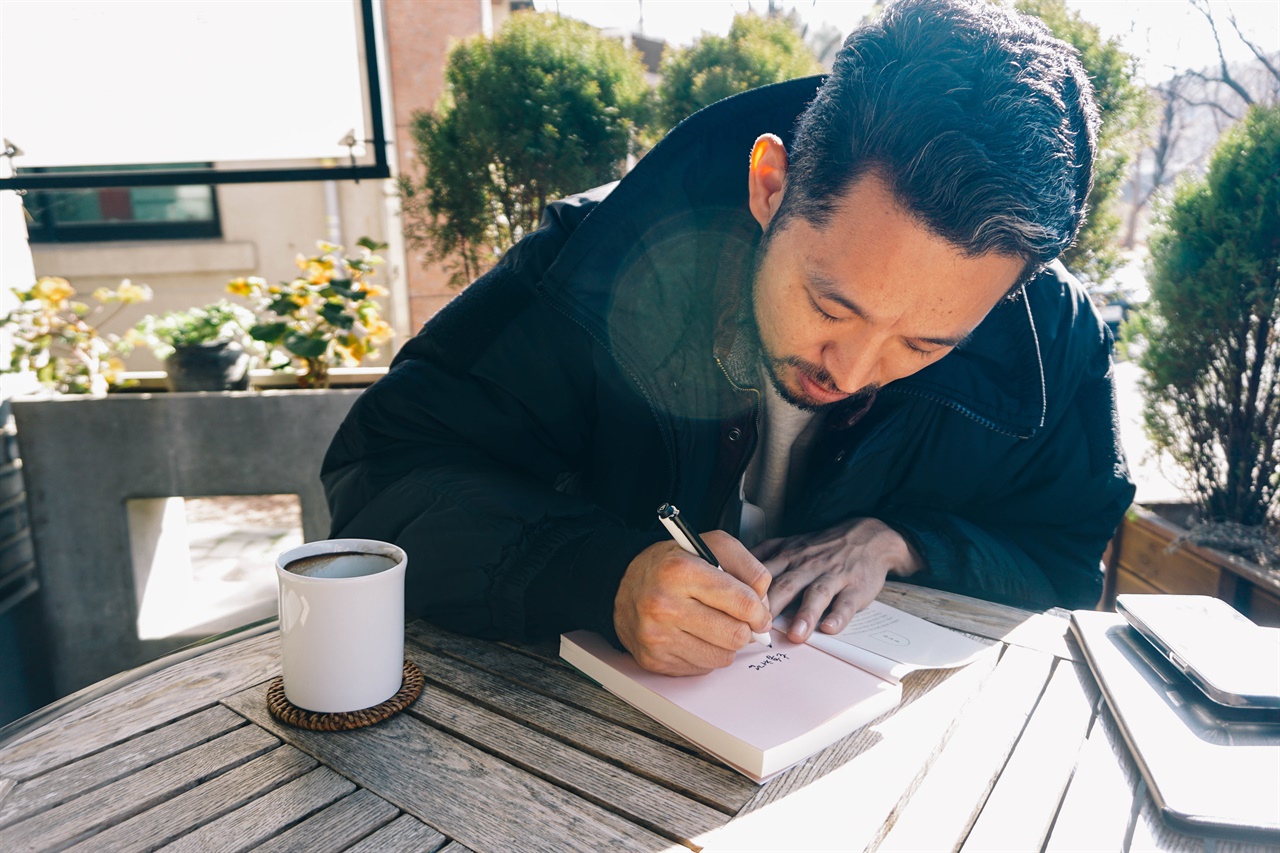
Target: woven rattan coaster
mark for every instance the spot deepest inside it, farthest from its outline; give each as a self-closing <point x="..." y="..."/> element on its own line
<point x="285" y="711"/>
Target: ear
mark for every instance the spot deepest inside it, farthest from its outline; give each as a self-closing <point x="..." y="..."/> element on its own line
<point x="766" y="177"/>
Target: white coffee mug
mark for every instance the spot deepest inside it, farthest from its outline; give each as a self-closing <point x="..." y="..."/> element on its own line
<point x="341" y="623"/>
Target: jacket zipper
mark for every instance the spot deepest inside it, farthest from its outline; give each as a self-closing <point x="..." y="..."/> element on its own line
<point x="954" y="406"/>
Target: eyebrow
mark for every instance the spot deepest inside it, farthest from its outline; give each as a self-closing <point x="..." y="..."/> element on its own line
<point x="828" y="289"/>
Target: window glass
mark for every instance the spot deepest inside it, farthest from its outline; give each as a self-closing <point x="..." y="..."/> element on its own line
<point x="122" y="213"/>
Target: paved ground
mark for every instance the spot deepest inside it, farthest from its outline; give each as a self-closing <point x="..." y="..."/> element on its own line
<point x="1156" y="478"/>
<point x="238" y="538"/>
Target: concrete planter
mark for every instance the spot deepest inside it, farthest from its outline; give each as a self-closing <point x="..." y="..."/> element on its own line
<point x="87" y="462"/>
<point x="1141" y="560"/>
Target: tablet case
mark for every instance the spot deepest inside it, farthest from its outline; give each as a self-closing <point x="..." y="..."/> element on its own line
<point x="1212" y="771"/>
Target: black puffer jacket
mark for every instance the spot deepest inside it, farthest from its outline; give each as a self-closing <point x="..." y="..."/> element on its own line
<point x="521" y="442"/>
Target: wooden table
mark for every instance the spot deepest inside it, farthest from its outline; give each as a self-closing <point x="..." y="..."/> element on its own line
<point x="508" y="749"/>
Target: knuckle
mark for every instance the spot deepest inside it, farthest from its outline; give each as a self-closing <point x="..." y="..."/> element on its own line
<point x="740" y="635"/>
<point x="822" y="588"/>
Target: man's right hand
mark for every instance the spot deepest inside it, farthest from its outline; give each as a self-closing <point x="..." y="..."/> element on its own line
<point x="677" y="615"/>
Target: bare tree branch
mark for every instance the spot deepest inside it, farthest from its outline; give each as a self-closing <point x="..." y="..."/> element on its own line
<point x="1200" y="75"/>
<point x="1254" y="49"/>
<point x="1202" y="6"/>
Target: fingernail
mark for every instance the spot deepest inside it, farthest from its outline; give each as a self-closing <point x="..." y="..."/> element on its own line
<point x="830" y="624"/>
<point x="800" y="628"/>
<point x="765" y="602"/>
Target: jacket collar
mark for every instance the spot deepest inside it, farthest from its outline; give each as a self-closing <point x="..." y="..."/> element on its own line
<point x="659" y="268"/>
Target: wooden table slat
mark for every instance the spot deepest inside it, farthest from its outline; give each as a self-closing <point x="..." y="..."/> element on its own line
<point x="1019" y="812"/>
<point x="466" y="793"/>
<point x="266" y="816"/>
<point x="555" y="679"/>
<point x="455" y="847"/>
<point x="126" y="797"/>
<point x="405" y="834"/>
<point x="50" y="789"/>
<point x="143" y="705"/>
<point x="1099" y="804"/>
<point x="336" y="827"/>
<point x="841" y="798"/>
<point x="712" y="783"/>
<point x="634" y="797"/>
<point x="205" y="802"/>
<point x="948" y="799"/>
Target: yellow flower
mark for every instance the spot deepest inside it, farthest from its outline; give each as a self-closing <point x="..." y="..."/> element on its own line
<point x="111" y="370"/>
<point x="53" y="290"/>
<point x="104" y="294"/>
<point x="240" y="287"/>
<point x="326" y="247"/>
<point x="375" y="291"/>
<point x="131" y="294"/>
<point x="301" y="261"/>
<point x="319" y="272"/>
<point x="354" y="350"/>
<point x="380" y="332"/>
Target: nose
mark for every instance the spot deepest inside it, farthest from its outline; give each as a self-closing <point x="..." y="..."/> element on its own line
<point x="853" y="366"/>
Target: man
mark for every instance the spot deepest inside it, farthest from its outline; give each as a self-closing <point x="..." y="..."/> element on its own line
<point x="850" y="353"/>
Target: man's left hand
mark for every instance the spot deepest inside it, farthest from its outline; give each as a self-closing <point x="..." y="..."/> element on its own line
<point x="836" y="572"/>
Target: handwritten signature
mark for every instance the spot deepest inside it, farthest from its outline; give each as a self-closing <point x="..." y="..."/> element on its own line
<point x="776" y="657"/>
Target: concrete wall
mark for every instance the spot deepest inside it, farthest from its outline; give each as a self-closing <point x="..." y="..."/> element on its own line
<point x="85" y="459"/>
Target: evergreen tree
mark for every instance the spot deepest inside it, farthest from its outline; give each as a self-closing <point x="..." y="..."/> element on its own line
<point x="1212" y="327"/>
<point x="757" y="51"/>
<point x="545" y="109"/>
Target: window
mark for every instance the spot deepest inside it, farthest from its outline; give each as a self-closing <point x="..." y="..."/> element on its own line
<point x="122" y="213"/>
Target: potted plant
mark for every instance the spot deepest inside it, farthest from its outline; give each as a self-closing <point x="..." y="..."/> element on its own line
<point x="60" y="339"/>
<point x="1208" y="342"/>
<point x="202" y="348"/>
<point x="325" y="316"/>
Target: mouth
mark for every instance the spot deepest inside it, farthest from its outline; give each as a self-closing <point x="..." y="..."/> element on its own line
<point x="819" y="394"/>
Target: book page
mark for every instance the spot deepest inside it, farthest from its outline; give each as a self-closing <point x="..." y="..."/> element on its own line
<point x="767" y="710"/>
<point x="889" y="642"/>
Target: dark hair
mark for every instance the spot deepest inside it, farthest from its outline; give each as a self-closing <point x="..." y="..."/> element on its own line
<point x="981" y="122"/>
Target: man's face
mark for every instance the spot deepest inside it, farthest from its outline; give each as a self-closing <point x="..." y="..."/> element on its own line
<point x="871" y="297"/>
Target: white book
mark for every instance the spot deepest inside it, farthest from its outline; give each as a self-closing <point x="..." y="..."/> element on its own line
<point x="775" y="707"/>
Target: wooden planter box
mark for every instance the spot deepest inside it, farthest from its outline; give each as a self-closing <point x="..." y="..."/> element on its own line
<point x="1139" y="560"/>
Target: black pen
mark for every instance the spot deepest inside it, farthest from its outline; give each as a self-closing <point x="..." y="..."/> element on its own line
<point x="688" y="539"/>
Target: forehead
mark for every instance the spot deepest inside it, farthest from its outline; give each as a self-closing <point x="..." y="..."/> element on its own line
<point x="875" y="253"/>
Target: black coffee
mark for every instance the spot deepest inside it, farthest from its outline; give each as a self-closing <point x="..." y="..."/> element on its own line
<point x="343" y="564"/>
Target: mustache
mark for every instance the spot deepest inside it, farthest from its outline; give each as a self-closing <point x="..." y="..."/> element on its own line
<point x="818" y="374"/>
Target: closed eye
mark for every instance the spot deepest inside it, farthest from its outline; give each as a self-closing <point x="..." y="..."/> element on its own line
<point x="922" y="352"/>
<point x="826" y="318"/>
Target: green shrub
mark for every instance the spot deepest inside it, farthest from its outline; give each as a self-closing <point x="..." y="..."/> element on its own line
<point x="1212" y="356"/>
<point x="757" y="51"/>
